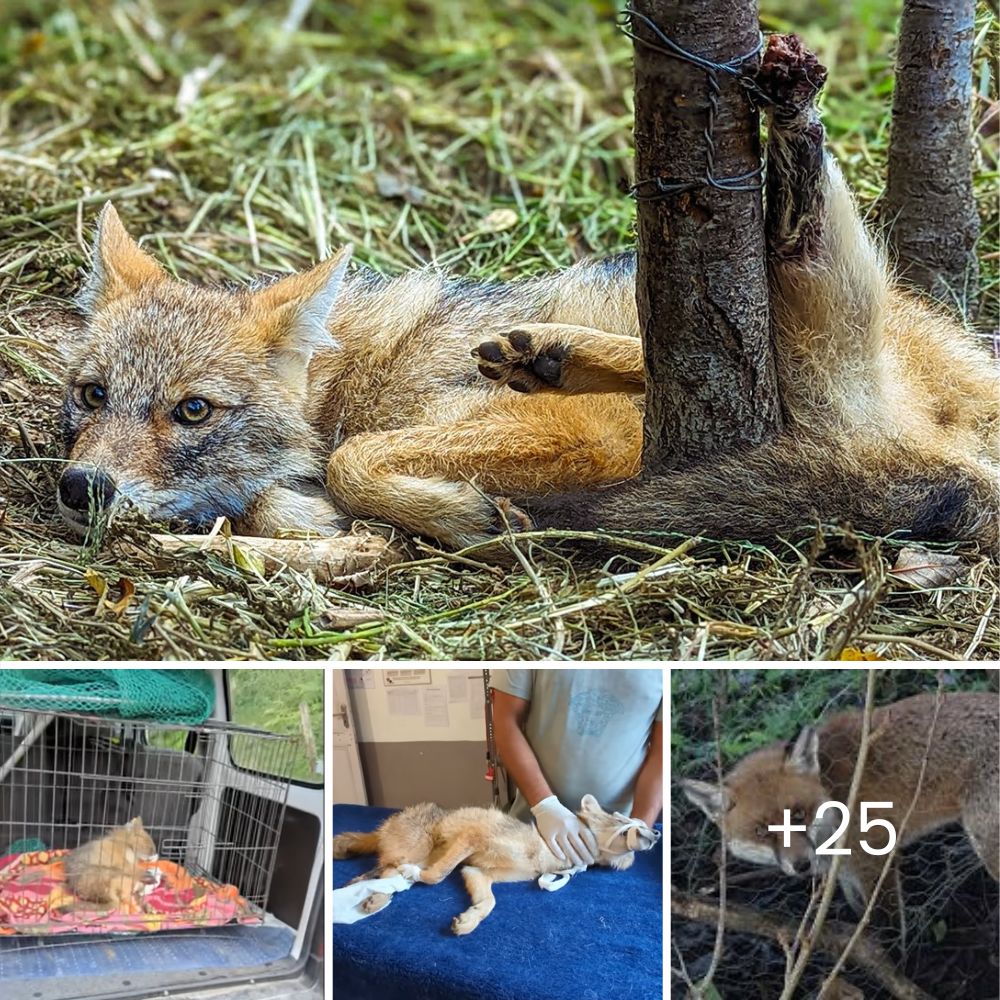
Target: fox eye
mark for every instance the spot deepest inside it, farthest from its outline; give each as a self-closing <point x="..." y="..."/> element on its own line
<point x="761" y="831"/>
<point x="93" y="395"/>
<point x="192" y="411"/>
<point x="798" y="815"/>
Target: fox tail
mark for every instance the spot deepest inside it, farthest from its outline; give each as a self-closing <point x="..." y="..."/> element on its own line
<point x="791" y="484"/>
<point x="347" y="845"/>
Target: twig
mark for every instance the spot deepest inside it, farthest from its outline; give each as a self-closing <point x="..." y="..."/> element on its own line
<point x="909" y="640"/>
<point x="887" y="865"/>
<point x="832" y="939"/>
<point x="720" y="928"/>
<point x="792" y="980"/>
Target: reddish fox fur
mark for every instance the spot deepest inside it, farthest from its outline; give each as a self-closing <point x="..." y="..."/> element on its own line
<point x="324" y="397"/>
<point x="959" y="784"/>
<point x="113" y="868"/>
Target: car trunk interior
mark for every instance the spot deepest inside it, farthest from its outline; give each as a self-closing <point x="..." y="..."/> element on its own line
<point x="52" y="797"/>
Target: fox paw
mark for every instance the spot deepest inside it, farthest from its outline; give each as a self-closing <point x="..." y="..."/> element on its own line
<point x="410" y="872"/>
<point x="790" y="75"/>
<point x="520" y="362"/>
<point x="508" y="517"/>
<point x="465" y="923"/>
<point x="375" y="902"/>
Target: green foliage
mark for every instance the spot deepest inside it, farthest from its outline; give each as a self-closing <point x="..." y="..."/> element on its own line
<point x="270" y="700"/>
<point x="758" y="707"/>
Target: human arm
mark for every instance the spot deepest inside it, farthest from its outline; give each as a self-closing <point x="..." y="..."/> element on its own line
<point x="566" y="836"/>
<point x="647" y="802"/>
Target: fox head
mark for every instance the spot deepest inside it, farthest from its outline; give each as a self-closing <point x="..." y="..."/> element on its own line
<point x="188" y="402"/>
<point x="135" y="835"/>
<point x="755" y="795"/>
<point x="618" y="836"/>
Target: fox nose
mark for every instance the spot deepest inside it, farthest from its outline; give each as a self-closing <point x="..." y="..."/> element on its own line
<point x="78" y="485"/>
<point x="801" y="866"/>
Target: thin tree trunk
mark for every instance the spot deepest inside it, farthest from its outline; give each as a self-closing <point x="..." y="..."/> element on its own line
<point x="929" y="207"/>
<point x="701" y="285"/>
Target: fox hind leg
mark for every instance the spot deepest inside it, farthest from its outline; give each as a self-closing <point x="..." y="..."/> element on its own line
<point x="439" y="480"/>
<point x="443" y="862"/>
<point x="829" y="283"/>
<point x="558" y="357"/>
<point x="480" y="888"/>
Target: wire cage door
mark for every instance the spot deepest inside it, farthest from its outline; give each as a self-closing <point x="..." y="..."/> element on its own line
<point x="136" y="825"/>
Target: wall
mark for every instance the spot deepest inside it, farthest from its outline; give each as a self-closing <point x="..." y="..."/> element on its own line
<point x="421" y="742"/>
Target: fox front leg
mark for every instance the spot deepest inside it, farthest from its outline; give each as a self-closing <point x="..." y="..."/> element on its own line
<point x="279" y="509"/>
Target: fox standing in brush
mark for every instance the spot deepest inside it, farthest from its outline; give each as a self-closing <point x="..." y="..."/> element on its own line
<point x="113" y="869"/>
<point x="323" y="397"/>
<point x="425" y="843"/>
<point x="961" y="784"/>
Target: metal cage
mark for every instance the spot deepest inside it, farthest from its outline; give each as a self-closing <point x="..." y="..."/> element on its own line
<point x="211" y="797"/>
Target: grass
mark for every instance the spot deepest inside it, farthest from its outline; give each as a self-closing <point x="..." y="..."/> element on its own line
<point x="488" y="137"/>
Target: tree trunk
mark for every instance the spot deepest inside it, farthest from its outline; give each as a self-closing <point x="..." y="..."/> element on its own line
<point x="701" y="283"/>
<point x="929" y="207"/>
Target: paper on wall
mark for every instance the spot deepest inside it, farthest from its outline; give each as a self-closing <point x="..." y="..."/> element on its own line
<point x="435" y="708"/>
<point x="458" y="687"/>
<point x="403" y="701"/>
<point x="477" y="706"/>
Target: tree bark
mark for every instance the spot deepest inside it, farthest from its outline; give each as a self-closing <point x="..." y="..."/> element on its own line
<point x="929" y="207"/>
<point x="701" y="283"/>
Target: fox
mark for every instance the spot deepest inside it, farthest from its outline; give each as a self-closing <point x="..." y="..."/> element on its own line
<point x="425" y="843"/>
<point x="959" y="735"/>
<point x="461" y="410"/>
<point x="115" y="868"/>
<point x="891" y="411"/>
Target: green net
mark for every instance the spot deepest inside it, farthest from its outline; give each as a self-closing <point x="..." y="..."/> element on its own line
<point x="176" y="696"/>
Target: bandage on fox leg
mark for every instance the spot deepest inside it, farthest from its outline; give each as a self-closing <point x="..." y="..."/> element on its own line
<point x="789" y="81"/>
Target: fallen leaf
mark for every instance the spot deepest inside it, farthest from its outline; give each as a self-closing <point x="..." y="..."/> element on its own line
<point x="927" y="570"/>
<point x="852" y="653"/>
<point x="127" y="587"/>
<point x="336" y="619"/>
<point x="498" y="220"/>
<point x="96" y="581"/>
<point x="247" y="559"/>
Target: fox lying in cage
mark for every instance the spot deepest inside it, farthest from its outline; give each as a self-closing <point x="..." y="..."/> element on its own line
<point x="191" y="403"/>
<point x="425" y="843"/>
<point x="115" y="868"/>
<point x="959" y="737"/>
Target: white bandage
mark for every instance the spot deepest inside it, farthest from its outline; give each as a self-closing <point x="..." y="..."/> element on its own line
<point x="551" y="881"/>
<point x="347" y="901"/>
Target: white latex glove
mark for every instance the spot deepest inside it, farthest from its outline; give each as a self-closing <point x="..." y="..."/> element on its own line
<point x="567" y="838"/>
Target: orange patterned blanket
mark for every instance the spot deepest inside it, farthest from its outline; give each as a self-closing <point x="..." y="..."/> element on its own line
<point x="34" y="899"/>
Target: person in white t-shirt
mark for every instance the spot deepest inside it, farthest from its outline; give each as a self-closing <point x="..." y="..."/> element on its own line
<point x="562" y="734"/>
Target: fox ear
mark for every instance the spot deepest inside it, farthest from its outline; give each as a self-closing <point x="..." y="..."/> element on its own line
<point x="135" y="823"/>
<point x="804" y="754"/>
<point x="300" y="307"/>
<point x="118" y="265"/>
<point x="710" y="799"/>
<point x="589" y="804"/>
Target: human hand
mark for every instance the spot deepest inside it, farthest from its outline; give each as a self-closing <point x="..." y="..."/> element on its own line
<point x="567" y="838"/>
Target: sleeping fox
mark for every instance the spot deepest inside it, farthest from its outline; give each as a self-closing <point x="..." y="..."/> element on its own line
<point x="325" y="396"/>
<point x="113" y="869"/>
<point x="959" y="784"/>
<point x="425" y="843"/>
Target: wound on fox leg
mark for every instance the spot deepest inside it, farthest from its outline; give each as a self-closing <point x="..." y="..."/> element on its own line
<point x="791" y="78"/>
